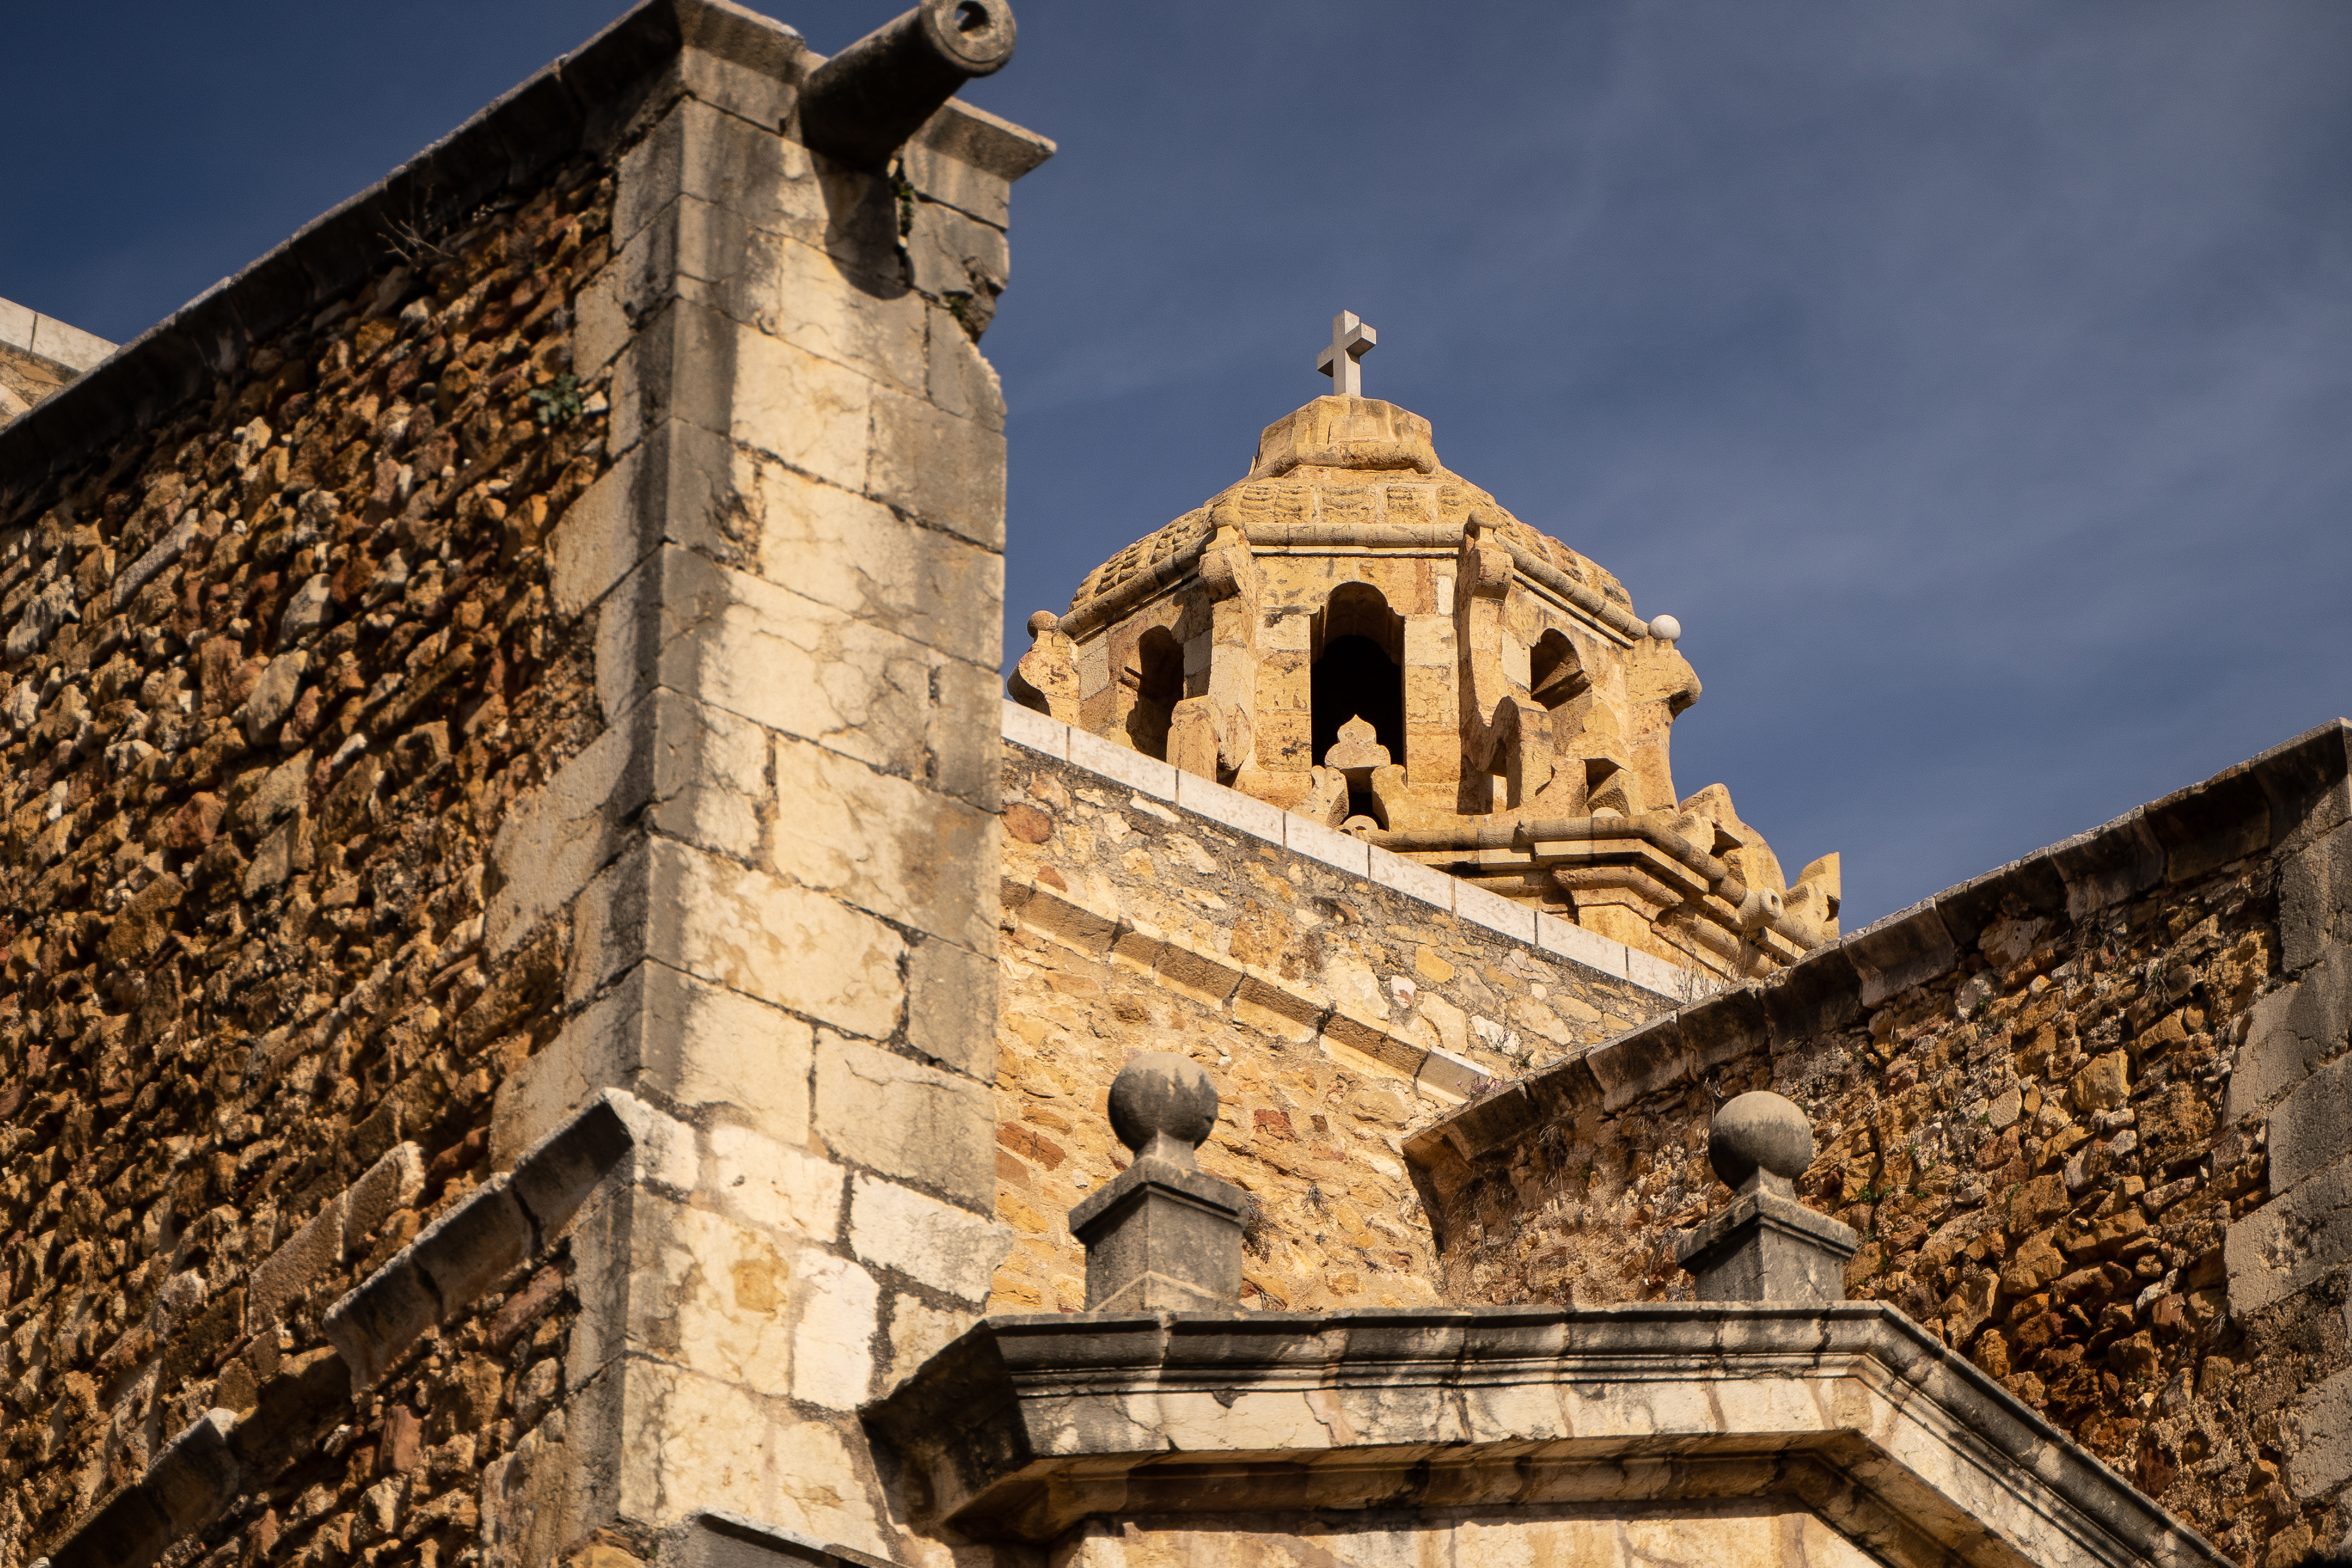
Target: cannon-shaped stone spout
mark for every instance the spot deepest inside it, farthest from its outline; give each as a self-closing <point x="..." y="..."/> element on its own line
<point x="861" y="106"/>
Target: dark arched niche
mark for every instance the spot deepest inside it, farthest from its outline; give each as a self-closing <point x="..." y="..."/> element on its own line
<point x="1157" y="675"/>
<point x="1358" y="668"/>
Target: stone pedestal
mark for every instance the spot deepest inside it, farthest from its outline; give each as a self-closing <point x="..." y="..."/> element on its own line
<point x="1163" y="1235"/>
<point x="1160" y="1238"/>
<point x="1766" y="1247"/>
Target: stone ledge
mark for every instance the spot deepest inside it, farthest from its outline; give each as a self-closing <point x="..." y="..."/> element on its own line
<point x="493" y="1228"/>
<point x="1026" y="1425"/>
<point x="2277" y="799"/>
<point x="716" y="1538"/>
<point x="188" y="1485"/>
<point x="1231" y="809"/>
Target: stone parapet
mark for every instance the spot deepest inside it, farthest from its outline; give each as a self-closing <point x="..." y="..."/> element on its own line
<point x="2085" y="1112"/>
<point x="1252" y="818"/>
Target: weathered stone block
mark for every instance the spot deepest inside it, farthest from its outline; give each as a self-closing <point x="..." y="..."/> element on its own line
<point x="692" y="1043"/>
<point x="2316" y="900"/>
<point x="882" y="844"/>
<point x="812" y="414"/>
<point x="2290" y="1241"/>
<point x="947" y="471"/>
<point x="951" y="1006"/>
<point x="776" y="1187"/>
<point x="1317" y="842"/>
<point x="1027" y="727"/>
<point x="2292" y="1030"/>
<point x="709" y="785"/>
<point x="949" y="1248"/>
<point x="1229" y="808"/>
<point x="463" y="1253"/>
<point x="559" y="835"/>
<point x="1426" y="883"/>
<point x="1494" y="911"/>
<point x="1145" y="776"/>
<point x="305" y="1258"/>
<point x="904" y="1119"/>
<point x="855" y="553"/>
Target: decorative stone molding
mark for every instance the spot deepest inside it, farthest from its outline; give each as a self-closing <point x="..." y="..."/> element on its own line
<point x="189" y="1483"/>
<point x="1026" y="1426"/>
<point x="457" y="1258"/>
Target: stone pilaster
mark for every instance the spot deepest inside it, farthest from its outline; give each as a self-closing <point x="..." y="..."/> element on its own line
<point x="778" y="863"/>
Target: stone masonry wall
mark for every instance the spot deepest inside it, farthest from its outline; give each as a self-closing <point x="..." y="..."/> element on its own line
<point x="2042" y="1106"/>
<point x="278" y="668"/>
<point x="1335" y="1014"/>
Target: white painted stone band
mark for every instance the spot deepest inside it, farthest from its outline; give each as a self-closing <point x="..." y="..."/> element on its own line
<point x="45" y="337"/>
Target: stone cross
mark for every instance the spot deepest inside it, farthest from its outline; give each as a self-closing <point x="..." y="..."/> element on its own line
<point x="1343" y="361"/>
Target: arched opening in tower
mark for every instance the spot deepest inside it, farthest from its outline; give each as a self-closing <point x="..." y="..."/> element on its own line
<point x="1555" y="674"/>
<point x="1359" y="672"/>
<point x="1156" y="677"/>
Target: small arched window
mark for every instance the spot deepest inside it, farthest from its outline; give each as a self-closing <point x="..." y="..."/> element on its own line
<point x="1555" y="674"/>
<point x="1359" y="672"/>
<point x="1157" y="678"/>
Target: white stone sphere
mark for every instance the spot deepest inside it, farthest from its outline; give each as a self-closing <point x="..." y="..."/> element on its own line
<point x="1666" y="628"/>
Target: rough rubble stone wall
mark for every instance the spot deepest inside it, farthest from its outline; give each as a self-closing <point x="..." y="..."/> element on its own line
<point x="1133" y="925"/>
<point x="278" y="668"/>
<point x="2058" y="1157"/>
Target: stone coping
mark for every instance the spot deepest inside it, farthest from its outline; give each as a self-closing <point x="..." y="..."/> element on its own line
<point x="1231" y="809"/>
<point x="26" y="329"/>
<point x="2267" y="801"/>
<point x="1027" y="1424"/>
<point x="589" y="98"/>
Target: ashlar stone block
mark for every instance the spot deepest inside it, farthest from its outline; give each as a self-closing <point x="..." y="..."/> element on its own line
<point x="730" y="925"/>
<point x="906" y="1121"/>
<point x="692" y="1043"/>
<point x="951" y="1249"/>
<point x="882" y="844"/>
<point x="856" y="555"/>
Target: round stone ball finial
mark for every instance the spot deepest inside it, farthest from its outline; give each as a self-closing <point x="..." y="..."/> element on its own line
<point x="1041" y="622"/>
<point x="1163" y="1106"/>
<point x="1760" y="1138"/>
<point x="1666" y="628"/>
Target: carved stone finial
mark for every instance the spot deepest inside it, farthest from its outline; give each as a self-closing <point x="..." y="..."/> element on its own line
<point x="1163" y="1235"/>
<point x="1760" y="1140"/>
<point x="1767" y="1246"/>
<point x="1042" y="622"/>
<point x="1357" y="750"/>
<point x="1163" y="1107"/>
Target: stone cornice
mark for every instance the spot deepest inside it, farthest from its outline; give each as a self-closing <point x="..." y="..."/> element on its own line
<point x="2271" y="801"/>
<point x="1027" y="1424"/>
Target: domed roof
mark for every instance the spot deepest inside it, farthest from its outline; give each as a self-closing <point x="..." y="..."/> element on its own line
<point x="1350" y="470"/>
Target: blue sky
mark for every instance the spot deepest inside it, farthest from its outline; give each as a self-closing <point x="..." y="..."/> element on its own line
<point x="1972" y="382"/>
